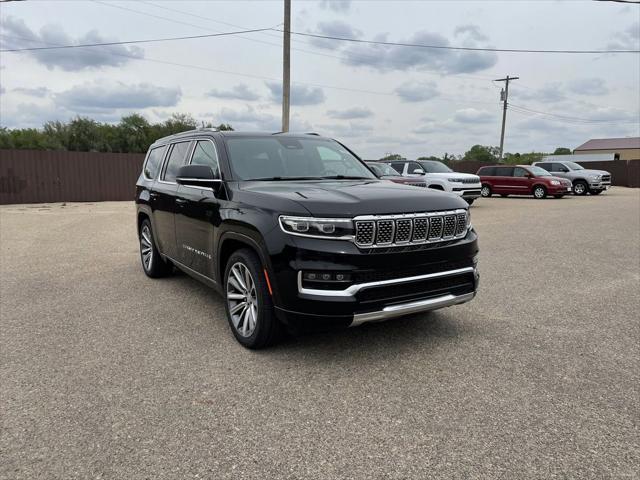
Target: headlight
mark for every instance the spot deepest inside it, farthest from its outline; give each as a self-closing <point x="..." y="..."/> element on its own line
<point x="595" y="177"/>
<point x="334" y="228"/>
<point x="555" y="182"/>
<point x="454" y="179"/>
<point x="468" y="218"/>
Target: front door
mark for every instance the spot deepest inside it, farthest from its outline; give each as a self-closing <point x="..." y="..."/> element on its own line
<point x="198" y="215"/>
<point x="165" y="191"/>
<point x="521" y="181"/>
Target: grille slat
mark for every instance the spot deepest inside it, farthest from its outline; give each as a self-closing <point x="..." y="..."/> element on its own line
<point x="410" y="229"/>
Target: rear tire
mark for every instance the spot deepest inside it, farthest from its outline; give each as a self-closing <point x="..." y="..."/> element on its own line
<point x="485" y="191"/>
<point x="248" y="303"/>
<point x="539" y="192"/>
<point x="580" y="188"/>
<point x="153" y="264"/>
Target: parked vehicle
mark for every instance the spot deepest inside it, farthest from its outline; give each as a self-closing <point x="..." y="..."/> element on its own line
<point x="583" y="180"/>
<point x="385" y="172"/>
<point x="296" y="230"/>
<point x="521" y="180"/>
<point x="440" y="177"/>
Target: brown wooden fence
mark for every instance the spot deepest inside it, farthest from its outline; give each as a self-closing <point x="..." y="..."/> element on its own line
<point x="36" y="176"/>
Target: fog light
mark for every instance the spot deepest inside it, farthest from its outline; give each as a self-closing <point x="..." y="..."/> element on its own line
<point x="326" y="277"/>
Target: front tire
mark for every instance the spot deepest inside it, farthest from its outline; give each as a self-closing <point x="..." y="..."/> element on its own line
<point x="248" y="302"/>
<point x="539" y="192"/>
<point x="153" y="264"/>
<point x="485" y="191"/>
<point x="580" y="188"/>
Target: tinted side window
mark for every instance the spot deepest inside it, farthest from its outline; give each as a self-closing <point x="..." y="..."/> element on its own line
<point x="504" y="171"/>
<point x="175" y="161"/>
<point x="546" y="166"/>
<point x="205" y="153"/>
<point x="397" y="166"/>
<point x="154" y="160"/>
<point x="487" y="171"/>
<point x="519" y="172"/>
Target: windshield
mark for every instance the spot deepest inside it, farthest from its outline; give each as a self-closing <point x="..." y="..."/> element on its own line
<point x="382" y="169"/>
<point x="288" y="158"/>
<point x="433" y="166"/>
<point x="539" y="172"/>
<point x="573" y="166"/>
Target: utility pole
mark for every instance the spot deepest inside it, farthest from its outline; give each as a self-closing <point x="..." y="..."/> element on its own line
<point x="286" y="66"/>
<point x="505" y="96"/>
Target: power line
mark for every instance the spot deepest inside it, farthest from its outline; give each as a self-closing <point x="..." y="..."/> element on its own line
<point x="447" y="47"/>
<point x="128" y="42"/>
<point x="570" y="118"/>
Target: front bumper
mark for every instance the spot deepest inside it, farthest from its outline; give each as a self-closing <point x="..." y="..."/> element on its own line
<point x="599" y="185"/>
<point x="385" y="284"/>
<point x="468" y="191"/>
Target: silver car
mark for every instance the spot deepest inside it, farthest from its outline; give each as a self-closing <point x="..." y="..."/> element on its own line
<point x="583" y="179"/>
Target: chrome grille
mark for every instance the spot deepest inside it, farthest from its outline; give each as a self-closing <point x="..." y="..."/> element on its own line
<point x="435" y="229"/>
<point x="449" y="226"/>
<point x="385" y="230"/>
<point x="606" y="178"/>
<point x="365" y="232"/>
<point x="470" y="180"/>
<point x="408" y="229"/>
<point x="403" y="231"/>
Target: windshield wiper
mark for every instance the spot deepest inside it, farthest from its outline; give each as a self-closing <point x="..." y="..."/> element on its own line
<point x="278" y="179"/>
<point x="345" y="177"/>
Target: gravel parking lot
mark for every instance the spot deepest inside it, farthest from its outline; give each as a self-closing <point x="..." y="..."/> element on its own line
<point x="108" y="374"/>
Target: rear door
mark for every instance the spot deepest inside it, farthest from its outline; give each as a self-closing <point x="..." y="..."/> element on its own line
<point x="503" y="180"/>
<point x="165" y="190"/>
<point x="198" y="215"/>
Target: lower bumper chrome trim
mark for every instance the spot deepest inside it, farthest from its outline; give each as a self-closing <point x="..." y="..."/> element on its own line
<point x="409" y="308"/>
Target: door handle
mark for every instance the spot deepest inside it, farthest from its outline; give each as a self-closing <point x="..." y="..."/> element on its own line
<point x="181" y="201"/>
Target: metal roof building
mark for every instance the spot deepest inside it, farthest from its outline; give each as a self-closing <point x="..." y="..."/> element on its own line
<point x="623" y="148"/>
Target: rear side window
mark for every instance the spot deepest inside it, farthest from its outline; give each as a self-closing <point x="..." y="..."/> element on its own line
<point x="398" y="166"/>
<point x="546" y="166"/>
<point x="154" y="160"/>
<point x="487" y="171"/>
<point x="175" y="161"/>
<point x="504" y="171"/>
<point x="205" y="153"/>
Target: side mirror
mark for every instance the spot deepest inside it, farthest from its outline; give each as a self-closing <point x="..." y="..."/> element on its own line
<point x="200" y="176"/>
<point x="418" y="171"/>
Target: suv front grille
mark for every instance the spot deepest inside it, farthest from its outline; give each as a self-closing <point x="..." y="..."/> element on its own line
<point x="408" y="229"/>
<point x="470" y="180"/>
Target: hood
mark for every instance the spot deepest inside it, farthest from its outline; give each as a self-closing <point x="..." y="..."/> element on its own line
<point x="348" y="198"/>
<point x="454" y="175"/>
<point x="588" y="171"/>
<point x="559" y="179"/>
<point x="401" y="179"/>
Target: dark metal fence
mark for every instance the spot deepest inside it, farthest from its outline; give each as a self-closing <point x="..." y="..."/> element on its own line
<point x="36" y="176"/>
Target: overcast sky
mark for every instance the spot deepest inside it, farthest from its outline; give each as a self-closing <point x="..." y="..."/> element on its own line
<point x="376" y="99"/>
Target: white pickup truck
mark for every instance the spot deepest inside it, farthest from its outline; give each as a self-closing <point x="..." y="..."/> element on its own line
<point x="440" y="177"/>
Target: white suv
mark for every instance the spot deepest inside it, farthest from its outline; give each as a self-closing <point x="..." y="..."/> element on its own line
<point x="440" y="177"/>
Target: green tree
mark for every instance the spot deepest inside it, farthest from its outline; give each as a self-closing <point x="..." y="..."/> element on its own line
<point x="393" y="156"/>
<point x="437" y="159"/>
<point x="482" y="153"/>
<point x="562" y="151"/>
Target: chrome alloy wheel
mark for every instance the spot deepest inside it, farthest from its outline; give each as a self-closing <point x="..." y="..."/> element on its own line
<point x="485" y="191"/>
<point x="242" y="299"/>
<point x="539" y="192"/>
<point x="579" y="188"/>
<point x="146" y="247"/>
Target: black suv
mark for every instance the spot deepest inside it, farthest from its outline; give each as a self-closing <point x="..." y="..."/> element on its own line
<point x="296" y="230"/>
